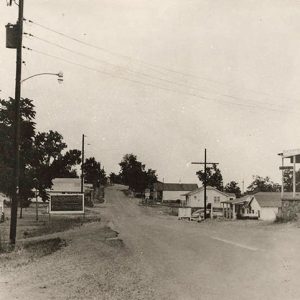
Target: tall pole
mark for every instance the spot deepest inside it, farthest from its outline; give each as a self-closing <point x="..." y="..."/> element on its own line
<point x="15" y="196"/>
<point x="205" y="163"/>
<point x="36" y="205"/>
<point x="204" y="183"/>
<point x="82" y="162"/>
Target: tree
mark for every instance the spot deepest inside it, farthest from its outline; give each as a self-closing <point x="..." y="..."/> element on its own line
<point x="262" y="184"/>
<point x="115" y="178"/>
<point x="213" y="177"/>
<point x="151" y="178"/>
<point x="134" y="175"/>
<point x="50" y="162"/>
<point x="7" y="155"/>
<point x="288" y="180"/>
<point x="232" y="187"/>
<point x="93" y="173"/>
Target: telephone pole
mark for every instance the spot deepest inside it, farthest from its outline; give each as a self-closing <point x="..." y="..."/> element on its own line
<point x="15" y="196"/>
<point x="82" y="162"/>
<point x="205" y="163"/>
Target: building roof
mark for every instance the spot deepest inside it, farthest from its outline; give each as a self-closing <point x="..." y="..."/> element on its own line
<point x="268" y="199"/>
<point x="231" y="194"/>
<point x="209" y="188"/>
<point x="187" y="187"/>
<point x="66" y="185"/>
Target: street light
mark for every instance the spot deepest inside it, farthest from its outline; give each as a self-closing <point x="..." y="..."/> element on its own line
<point x="60" y="76"/>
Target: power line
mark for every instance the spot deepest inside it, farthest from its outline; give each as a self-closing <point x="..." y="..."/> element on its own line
<point x="150" y="84"/>
<point x="152" y="66"/>
<point x="145" y="74"/>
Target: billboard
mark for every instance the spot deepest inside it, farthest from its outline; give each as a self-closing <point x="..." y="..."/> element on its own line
<point x="66" y="204"/>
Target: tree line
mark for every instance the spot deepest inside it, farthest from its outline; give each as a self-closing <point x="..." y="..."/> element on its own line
<point x="134" y="174"/>
<point x="259" y="184"/>
<point x="43" y="155"/>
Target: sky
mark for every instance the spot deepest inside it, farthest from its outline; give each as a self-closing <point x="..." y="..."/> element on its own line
<point x="165" y="80"/>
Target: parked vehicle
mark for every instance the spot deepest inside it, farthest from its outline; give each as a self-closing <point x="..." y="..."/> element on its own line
<point x="198" y="215"/>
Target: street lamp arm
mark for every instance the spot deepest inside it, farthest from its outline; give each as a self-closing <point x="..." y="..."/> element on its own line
<point x="60" y="75"/>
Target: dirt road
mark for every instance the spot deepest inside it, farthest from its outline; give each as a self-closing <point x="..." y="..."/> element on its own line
<point x="210" y="261"/>
<point x="163" y="258"/>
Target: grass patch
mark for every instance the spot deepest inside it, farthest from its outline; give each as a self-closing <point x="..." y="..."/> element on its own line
<point x="44" y="247"/>
<point x="58" y="224"/>
<point x="29" y="252"/>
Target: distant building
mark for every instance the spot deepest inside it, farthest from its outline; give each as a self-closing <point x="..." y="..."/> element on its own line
<point x="214" y="198"/>
<point x="262" y="206"/>
<point x="72" y="185"/>
<point x="66" y="185"/>
<point x="172" y="191"/>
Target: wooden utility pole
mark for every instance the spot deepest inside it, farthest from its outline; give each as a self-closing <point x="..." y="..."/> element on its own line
<point x="82" y="162"/>
<point x="205" y="163"/>
<point x="15" y="196"/>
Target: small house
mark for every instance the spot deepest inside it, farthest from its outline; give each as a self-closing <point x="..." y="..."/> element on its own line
<point x="172" y="191"/>
<point x="214" y="198"/>
<point x="261" y="206"/>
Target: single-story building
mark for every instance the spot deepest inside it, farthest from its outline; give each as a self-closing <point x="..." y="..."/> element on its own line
<point x="214" y="197"/>
<point x="262" y="206"/>
<point x="172" y="191"/>
<point x="66" y="185"/>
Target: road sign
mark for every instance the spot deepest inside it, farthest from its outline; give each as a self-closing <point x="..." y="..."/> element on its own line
<point x="66" y="204"/>
<point x="286" y="168"/>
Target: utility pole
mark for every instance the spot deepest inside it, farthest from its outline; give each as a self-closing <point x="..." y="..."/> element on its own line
<point x="243" y="182"/>
<point x="82" y="162"/>
<point x="15" y="196"/>
<point x="205" y="163"/>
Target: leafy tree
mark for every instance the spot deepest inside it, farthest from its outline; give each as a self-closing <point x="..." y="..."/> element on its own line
<point x="232" y="187"/>
<point x="115" y="178"/>
<point x="134" y="175"/>
<point x="262" y="184"/>
<point x="7" y="154"/>
<point x="213" y="177"/>
<point x="288" y="180"/>
<point x="93" y="173"/>
<point x="151" y="178"/>
<point x="50" y="162"/>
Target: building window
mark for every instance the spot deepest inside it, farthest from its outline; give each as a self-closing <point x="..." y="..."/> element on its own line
<point x="216" y="200"/>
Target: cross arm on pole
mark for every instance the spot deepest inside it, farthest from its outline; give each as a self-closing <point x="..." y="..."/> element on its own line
<point x="203" y="163"/>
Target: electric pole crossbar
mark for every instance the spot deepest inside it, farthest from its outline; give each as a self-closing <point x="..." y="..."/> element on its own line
<point x="205" y="163"/>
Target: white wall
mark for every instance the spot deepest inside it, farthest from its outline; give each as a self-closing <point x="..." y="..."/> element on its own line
<point x="268" y="213"/>
<point x="197" y="198"/>
<point x="173" y="195"/>
<point x="264" y="213"/>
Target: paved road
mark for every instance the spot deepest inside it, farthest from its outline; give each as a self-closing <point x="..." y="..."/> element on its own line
<point x="220" y="260"/>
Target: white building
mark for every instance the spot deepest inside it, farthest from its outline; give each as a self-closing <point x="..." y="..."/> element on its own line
<point x="214" y="198"/>
<point x="66" y="185"/>
<point x="172" y="191"/>
<point x="262" y="206"/>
